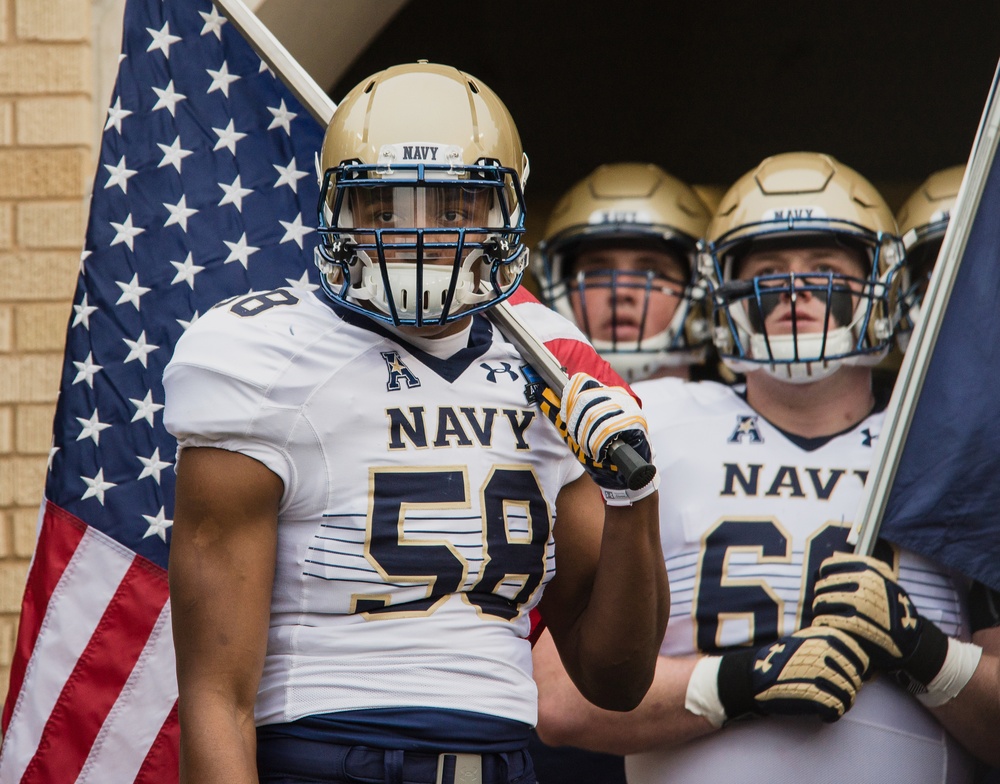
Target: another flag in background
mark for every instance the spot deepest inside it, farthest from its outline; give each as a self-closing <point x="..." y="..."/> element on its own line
<point x="205" y="188"/>
<point x="945" y="497"/>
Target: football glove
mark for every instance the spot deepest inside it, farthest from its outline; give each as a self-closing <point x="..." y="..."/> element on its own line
<point x="589" y="416"/>
<point x="859" y="595"/>
<point x="814" y="672"/>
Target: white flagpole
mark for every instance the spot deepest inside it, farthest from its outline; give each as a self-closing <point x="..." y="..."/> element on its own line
<point x="279" y="60"/>
<point x="915" y="362"/>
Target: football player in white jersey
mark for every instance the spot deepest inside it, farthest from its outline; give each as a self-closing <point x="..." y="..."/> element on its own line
<point x="786" y="656"/>
<point x="619" y="260"/>
<point x="368" y="504"/>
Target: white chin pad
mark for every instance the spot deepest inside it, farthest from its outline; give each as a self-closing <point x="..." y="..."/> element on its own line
<point x="405" y="295"/>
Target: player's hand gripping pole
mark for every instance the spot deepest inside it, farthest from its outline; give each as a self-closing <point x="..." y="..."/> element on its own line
<point x="635" y="470"/>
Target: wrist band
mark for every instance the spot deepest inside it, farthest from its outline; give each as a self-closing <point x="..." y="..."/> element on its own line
<point x="702" y="697"/>
<point x="625" y="497"/>
<point x="959" y="665"/>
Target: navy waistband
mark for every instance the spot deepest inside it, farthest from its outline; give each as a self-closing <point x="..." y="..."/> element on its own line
<point x="416" y="729"/>
<point x="287" y="758"/>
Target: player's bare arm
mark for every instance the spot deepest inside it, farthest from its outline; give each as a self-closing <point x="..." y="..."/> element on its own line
<point x="974" y="714"/>
<point x="607" y="558"/>
<point x="221" y="571"/>
<point x="660" y="721"/>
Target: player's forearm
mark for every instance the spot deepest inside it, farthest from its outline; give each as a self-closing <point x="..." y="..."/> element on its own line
<point x="660" y="721"/>
<point x="622" y="627"/>
<point x="218" y="742"/>
<point x="973" y="716"/>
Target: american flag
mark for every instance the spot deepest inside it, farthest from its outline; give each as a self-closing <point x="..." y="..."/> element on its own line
<point x="206" y="188"/>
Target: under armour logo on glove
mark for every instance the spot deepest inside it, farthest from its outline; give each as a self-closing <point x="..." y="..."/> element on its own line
<point x="860" y="596"/>
<point x="811" y="672"/>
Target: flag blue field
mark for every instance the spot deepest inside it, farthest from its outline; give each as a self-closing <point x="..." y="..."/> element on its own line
<point x="945" y="497"/>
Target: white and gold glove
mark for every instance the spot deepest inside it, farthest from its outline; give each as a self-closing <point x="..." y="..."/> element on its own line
<point x="860" y="595"/>
<point x="589" y="417"/>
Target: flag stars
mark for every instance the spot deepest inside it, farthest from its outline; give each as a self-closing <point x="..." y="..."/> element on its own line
<point x="126" y="232"/>
<point x="168" y="98"/>
<point x="289" y="175"/>
<point x="228" y="137"/>
<point x="84" y="255"/>
<point x="86" y="370"/>
<point x="303" y="284"/>
<point x="186" y="270"/>
<point x="131" y="291"/>
<point x="240" y="251"/>
<point x="185" y="324"/>
<point x="83" y="312"/>
<point x="158" y="525"/>
<point x="162" y="39"/>
<point x="221" y="79"/>
<point x="91" y="428"/>
<point x="115" y="116"/>
<point x="234" y="193"/>
<point x="213" y="22"/>
<point x="96" y="486"/>
<point x="139" y="349"/>
<point x="282" y="118"/>
<point x="179" y="213"/>
<point x="120" y="175"/>
<point x="152" y="465"/>
<point x="295" y="231"/>
<point x="53" y="450"/>
<point x="145" y="408"/>
<point x="173" y="155"/>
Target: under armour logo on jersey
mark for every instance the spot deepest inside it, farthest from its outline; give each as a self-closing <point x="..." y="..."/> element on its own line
<point x="397" y="371"/>
<point x="746" y="426"/>
<point x="491" y="372"/>
<point x="868" y="437"/>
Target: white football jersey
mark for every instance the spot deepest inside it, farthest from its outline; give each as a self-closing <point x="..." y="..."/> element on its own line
<point x="747" y="514"/>
<point x="414" y="533"/>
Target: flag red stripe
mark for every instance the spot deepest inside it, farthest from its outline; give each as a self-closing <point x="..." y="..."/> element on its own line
<point x="162" y="763"/>
<point x="60" y="535"/>
<point x="97" y="679"/>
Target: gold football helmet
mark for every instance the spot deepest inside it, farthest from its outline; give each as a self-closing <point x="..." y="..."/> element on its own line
<point x="639" y="206"/>
<point x="922" y="220"/>
<point x="421" y="205"/>
<point x="802" y="199"/>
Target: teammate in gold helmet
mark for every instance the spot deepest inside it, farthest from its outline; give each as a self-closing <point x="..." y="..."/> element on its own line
<point x="922" y="220"/>
<point x="785" y="651"/>
<point x="618" y="258"/>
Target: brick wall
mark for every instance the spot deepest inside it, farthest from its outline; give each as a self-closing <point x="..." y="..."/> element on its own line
<point x="47" y="160"/>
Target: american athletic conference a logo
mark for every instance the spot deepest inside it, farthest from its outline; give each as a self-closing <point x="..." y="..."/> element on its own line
<point x="397" y="372"/>
<point x="746" y="427"/>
